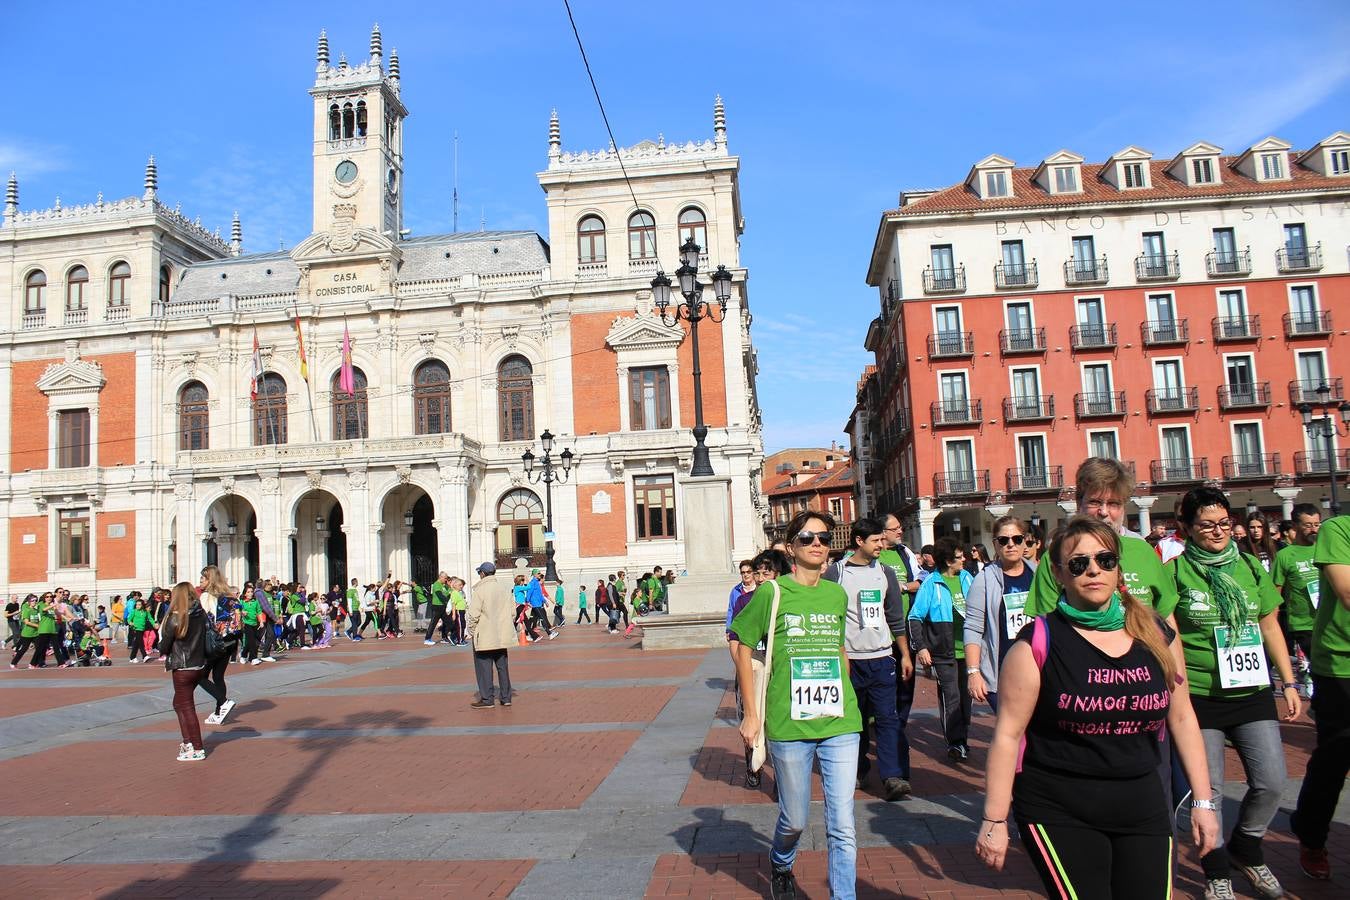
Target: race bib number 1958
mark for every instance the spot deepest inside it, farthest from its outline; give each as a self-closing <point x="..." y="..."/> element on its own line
<point x="1242" y="662"/>
<point x="817" y="687"/>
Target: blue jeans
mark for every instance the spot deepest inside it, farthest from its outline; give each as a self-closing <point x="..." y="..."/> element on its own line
<point x="838" y="760"/>
<point x="874" y="683"/>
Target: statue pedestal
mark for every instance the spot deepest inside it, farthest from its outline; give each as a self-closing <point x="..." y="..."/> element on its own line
<point x="697" y="601"/>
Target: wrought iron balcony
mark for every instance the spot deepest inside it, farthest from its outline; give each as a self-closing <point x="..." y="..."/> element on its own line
<point x="961" y="483"/>
<point x="1093" y="405"/>
<point x="1179" y="471"/>
<point x="1244" y="396"/>
<point x="1157" y="266"/>
<point x="1093" y="336"/>
<point x="1236" y="328"/>
<point x="906" y="490"/>
<point x="1249" y="468"/>
<point x="1012" y="276"/>
<point x="1225" y="263"/>
<point x="951" y="344"/>
<point x="1172" y="400"/>
<point x="1028" y="409"/>
<point x="1030" y="481"/>
<point x="944" y="281"/>
<point x="1159" y="332"/>
<point x="956" y="412"/>
<point x="1021" y="340"/>
<point x="1317" y="463"/>
<point x="1308" y="323"/>
<point x="1086" y="271"/>
<point x="1308" y="391"/>
<point x="1299" y="259"/>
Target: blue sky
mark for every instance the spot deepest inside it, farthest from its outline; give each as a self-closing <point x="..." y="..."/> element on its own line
<point x="833" y="108"/>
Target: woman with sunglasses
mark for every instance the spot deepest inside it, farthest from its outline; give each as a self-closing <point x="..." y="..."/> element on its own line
<point x="995" y="609"/>
<point x="1227" y="617"/>
<point x="1084" y="695"/>
<point x="935" y="624"/>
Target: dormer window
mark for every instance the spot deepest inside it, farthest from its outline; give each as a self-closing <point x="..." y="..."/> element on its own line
<point x="1202" y="171"/>
<point x="1133" y="175"/>
<point x="995" y="184"/>
<point x="1272" y="166"/>
<point x="1061" y="173"/>
<point x="1198" y="165"/>
<point x="991" y="178"/>
<point x="1066" y="179"/>
<point x="1330" y="156"/>
<point x="1340" y="162"/>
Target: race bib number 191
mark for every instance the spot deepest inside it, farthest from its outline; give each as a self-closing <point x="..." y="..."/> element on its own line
<point x="869" y="602"/>
<point x="1242" y="662"/>
<point x="817" y="687"/>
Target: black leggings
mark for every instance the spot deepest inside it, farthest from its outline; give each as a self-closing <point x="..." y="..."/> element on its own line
<point x="136" y="641"/>
<point x="251" y="641"/>
<point x="20" y="648"/>
<point x="212" y="679"/>
<point x="1084" y="862"/>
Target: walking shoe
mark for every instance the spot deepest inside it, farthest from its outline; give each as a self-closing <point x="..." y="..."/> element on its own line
<point x="782" y="886"/>
<point x="552" y="634"/>
<point x="1264" y="882"/>
<point x="896" y="789"/>
<point x="269" y="659"/>
<point x="213" y="719"/>
<point x="1220" y="889"/>
<point x="255" y="662"/>
<point x="429" y="643"/>
<point x="1314" y="862"/>
<point x="506" y="703"/>
<point x="482" y="704"/>
<point x="954" y="753"/>
<point x="965" y="752"/>
<point x="194" y="756"/>
<point x="185" y="752"/>
<point x="225" y="709"/>
<point x="752" y="779"/>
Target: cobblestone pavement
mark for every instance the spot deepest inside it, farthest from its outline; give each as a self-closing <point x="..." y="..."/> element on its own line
<point x="362" y="771"/>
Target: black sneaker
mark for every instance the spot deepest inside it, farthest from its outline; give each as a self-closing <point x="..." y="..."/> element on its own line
<point x="482" y="704"/>
<point x="965" y="752"/>
<point x="897" y="789"/>
<point x="954" y="753"/>
<point x="782" y="886"/>
<point x="752" y="779"/>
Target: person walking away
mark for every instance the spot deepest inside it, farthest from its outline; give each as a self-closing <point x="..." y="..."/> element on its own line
<point x="491" y="632"/>
<point x="1296" y="577"/>
<point x="182" y="643"/>
<point x="1226" y="616"/>
<point x="534" y="596"/>
<point x="559" y="600"/>
<point x="268" y="622"/>
<point x="935" y="631"/>
<point x="810" y="715"/>
<point x="1325" y="776"/>
<point x="12" y="627"/>
<point x="874" y="622"/>
<point x="1083" y="696"/>
<point x="908" y="571"/>
<point x="581" y="605"/>
<point x="996" y="609"/>
<point x="29" y="619"/>
<point x="603" y="606"/>
<point x="440" y="601"/>
<point x="215" y="596"/>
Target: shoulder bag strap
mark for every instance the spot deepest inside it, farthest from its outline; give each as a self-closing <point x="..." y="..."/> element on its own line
<point x="768" y="649"/>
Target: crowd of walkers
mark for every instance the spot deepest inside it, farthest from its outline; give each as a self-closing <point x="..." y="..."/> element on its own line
<point x="1118" y="668"/>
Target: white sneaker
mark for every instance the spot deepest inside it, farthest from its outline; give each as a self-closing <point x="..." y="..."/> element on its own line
<point x="552" y="635"/>
<point x="213" y="719"/>
<point x="429" y="643"/>
<point x="224" y="713"/>
<point x="255" y="662"/>
<point x="185" y="752"/>
<point x="269" y="659"/>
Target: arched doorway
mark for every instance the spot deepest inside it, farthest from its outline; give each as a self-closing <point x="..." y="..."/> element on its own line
<point x="410" y="545"/>
<point x="232" y="542"/>
<point x="422" y="548"/>
<point x="336" y="548"/>
<point x="319" y="542"/>
<point x="520" y="529"/>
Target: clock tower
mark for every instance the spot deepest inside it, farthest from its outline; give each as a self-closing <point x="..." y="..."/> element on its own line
<point x="358" y="146"/>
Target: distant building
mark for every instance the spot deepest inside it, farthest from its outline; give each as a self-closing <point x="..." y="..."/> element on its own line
<point x="801" y="479"/>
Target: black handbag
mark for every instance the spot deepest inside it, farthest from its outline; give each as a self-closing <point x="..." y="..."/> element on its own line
<point x="215" y="644"/>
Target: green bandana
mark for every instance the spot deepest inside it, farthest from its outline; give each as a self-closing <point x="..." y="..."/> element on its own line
<point x="1217" y="569"/>
<point x="1110" y="617"/>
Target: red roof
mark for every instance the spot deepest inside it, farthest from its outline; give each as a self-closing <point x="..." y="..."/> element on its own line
<point x="840" y="478"/>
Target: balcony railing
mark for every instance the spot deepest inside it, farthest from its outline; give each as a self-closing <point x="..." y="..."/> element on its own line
<point x="34" y="319"/>
<point x="1244" y="396"/>
<point x="961" y="483"/>
<point x="1306" y="463"/>
<point x="1093" y="336"/>
<point x="951" y="343"/>
<point x="1011" y="276"/>
<point x="1179" y="471"/>
<point x="76" y="317"/>
<point x="1172" y="400"/>
<point x="1307" y="391"/>
<point x="1236" y="328"/>
<point x="1158" y="332"/>
<point x="1086" y="271"/>
<point x="1028" y="409"/>
<point x="944" y="281"/>
<point x="1157" y="267"/>
<point x="1224" y="263"/>
<point x="1308" y="323"/>
<point x="1021" y="340"/>
<point x="1299" y="259"/>
<point x="118" y="313"/>
<point x="589" y="270"/>
<point x="1257" y="466"/>
<point x="956" y="412"/>
<point x="1091" y="405"/>
<point x="1029" y="481"/>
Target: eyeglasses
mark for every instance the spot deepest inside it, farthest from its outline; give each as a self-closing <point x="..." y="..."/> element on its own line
<point x="1214" y="527"/>
<point x="1098" y="505"/>
<point x="1006" y="539"/>
<point x="807" y="538"/>
<point x="1106" y="561"/>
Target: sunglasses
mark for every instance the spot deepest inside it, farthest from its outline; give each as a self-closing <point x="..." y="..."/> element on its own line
<point x="1106" y="561"/>
<point x="807" y="538"/>
<point x="1006" y="539"/>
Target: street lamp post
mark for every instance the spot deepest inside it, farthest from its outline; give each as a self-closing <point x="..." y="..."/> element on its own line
<point x="694" y="310"/>
<point x="1323" y="427"/>
<point x="548" y="473"/>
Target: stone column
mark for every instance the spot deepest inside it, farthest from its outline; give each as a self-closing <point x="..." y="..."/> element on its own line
<point x="452" y="520"/>
<point x="1145" y="504"/>
<point x="359" y="526"/>
<point x="927" y="520"/>
<point x="1287" y="497"/>
<point x="273" y="533"/>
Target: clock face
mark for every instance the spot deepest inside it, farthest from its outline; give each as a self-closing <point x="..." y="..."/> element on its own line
<point x="392" y="181"/>
<point x="346" y="171"/>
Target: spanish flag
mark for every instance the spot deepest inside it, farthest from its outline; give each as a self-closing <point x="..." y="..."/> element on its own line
<point x="300" y="342"/>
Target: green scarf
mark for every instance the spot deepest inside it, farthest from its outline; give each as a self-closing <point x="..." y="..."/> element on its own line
<point x="1110" y="617"/>
<point x="1218" y="568"/>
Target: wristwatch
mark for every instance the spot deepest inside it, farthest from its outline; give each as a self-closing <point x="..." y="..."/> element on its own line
<point x="972" y="670"/>
<point x="1197" y="803"/>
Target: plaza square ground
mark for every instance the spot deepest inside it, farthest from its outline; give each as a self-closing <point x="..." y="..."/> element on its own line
<point x="362" y="771"/>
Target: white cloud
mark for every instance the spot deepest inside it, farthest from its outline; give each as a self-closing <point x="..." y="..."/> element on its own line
<point x="30" y="159"/>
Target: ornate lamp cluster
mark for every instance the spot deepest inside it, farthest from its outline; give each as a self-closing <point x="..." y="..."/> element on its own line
<point x="548" y="472"/>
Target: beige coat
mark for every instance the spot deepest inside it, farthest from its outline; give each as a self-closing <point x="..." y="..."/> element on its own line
<point x="491" y="618"/>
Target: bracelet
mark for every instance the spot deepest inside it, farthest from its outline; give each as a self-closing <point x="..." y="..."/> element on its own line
<point x="972" y="671"/>
<point x="1203" y="804"/>
<point x="1289" y="687"/>
<point x="995" y="821"/>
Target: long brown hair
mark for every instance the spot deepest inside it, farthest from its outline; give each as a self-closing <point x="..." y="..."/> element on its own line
<point x="182" y="599"/>
<point x="1141" y="622"/>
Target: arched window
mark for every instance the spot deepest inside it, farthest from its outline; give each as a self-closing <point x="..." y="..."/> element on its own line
<point x="431" y="397"/>
<point x="641" y="236"/>
<point x="591" y="240"/>
<point x="77" y="280"/>
<point x="334" y="123"/>
<point x="361" y="118"/>
<point x="350" y="422"/>
<point x="35" y="292"/>
<point x="193" y="417"/>
<point x="515" y="399"/>
<point x="119" y="280"/>
<point x="694" y="226"/>
<point x="269" y="410"/>
<point x="164" y="284"/>
<point x="520" y="525"/>
<point x="348" y="121"/>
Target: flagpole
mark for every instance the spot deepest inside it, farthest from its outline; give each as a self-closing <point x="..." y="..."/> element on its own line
<point x="309" y="394"/>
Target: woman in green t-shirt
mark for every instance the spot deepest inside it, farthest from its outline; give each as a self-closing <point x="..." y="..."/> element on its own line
<point x="138" y="622"/>
<point x="1226" y="614"/>
<point x="29" y="618"/>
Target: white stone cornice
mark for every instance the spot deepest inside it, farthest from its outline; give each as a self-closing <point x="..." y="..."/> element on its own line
<point x="643" y="332"/>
